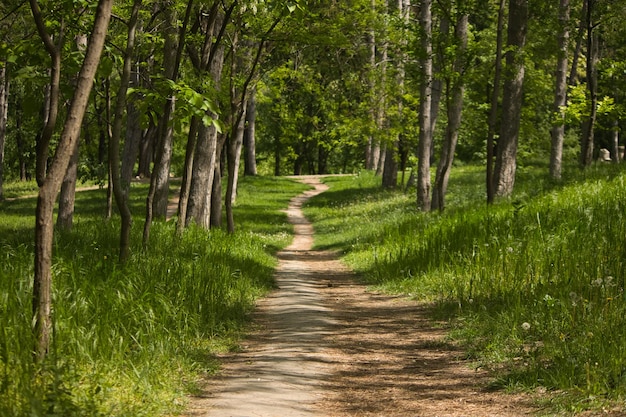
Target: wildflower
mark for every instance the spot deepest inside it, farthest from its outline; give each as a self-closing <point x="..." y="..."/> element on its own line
<point x="526" y="326"/>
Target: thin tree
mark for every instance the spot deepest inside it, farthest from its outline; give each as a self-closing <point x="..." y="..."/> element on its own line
<point x="560" y="93"/>
<point x="156" y="202"/>
<point x="455" y="87"/>
<point x="587" y="139"/>
<point x="4" y="110"/>
<point x="494" y="100"/>
<point x="506" y="158"/>
<point x="426" y="133"/>
<point x="51" y="182"/>
<point x="121" y="188"/>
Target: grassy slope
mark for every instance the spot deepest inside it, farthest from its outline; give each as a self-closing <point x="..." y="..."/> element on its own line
<point x="533" y="286"/>
<point x="131" y="340"/>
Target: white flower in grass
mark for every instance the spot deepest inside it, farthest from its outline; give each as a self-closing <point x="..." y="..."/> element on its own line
<point x="526" y="326"/>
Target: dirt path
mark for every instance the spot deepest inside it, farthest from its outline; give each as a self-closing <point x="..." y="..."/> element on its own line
<point x="325" y="346"/>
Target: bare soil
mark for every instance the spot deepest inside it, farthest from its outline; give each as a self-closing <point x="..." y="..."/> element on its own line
<point x="325" y="345"/>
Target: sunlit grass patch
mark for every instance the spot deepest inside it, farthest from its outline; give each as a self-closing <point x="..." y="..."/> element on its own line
<point x="132" y="339"/>
<point x="533" y="285"/>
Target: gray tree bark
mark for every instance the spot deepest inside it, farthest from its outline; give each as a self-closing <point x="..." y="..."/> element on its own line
<point x="249" y="138"/>
<point x="454" y="95"/>
<point x="4" y="112"/>
<point x="560" y="93"/>
<point x="426" y="134"/>
<point x="506" y="161"/>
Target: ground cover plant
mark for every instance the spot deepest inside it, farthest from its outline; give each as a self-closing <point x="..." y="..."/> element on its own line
<point x="533" y="286"/>
<point x="131" y="340"/>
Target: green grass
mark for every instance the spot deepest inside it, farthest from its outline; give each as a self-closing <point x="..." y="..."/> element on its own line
<point x="533" y="286"/>
<point x="132" y="340"/>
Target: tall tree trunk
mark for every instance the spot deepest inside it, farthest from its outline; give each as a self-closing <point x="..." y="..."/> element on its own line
<point x="454" y="95"/>
<point x="425" y="134"/>
<point x="249" y="138"/>
<point x="493" y="110"/>
<point x="4" y="112"/>
<point x="49" y="189"/>
<point x="560" y="93"/>
<point x="156" y="202"/>
<point x="160" y="177"/>
<point x="120" y="184"/>
<point x="506" y="161"/>
<point x="390" y="163"/>
<point x="371" y="156"/>
<point x="205" y="159"/>
<point x="587" y="139"/>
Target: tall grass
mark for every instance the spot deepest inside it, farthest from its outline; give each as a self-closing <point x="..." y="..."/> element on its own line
<point x="131" y="340"/>
<point x="534" y="285"/>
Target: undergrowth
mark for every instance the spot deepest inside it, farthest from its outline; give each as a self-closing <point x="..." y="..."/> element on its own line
<point x="533" y="285"/>
<point x="132" y="339"/>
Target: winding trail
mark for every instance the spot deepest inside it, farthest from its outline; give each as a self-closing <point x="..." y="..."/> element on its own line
<point x="281" y="370"/>
<point x="323" y="345"/>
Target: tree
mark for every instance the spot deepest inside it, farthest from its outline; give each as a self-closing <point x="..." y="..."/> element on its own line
<point x="494" y="100"/>
<point x="454" y="91"/>
<point x="506" y="160"/>
<point x="587" y="138"/>
<point x="156" y="202"/>
<point x="120" y="184"/>
<point x="51" y="182"/>
<point x="560" y="92"/>
<point x="426" y="133"/>
<point x="4" y="110"/>
<point x="249" y="138"/>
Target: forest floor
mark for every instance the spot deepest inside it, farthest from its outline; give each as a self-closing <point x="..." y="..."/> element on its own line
<point x="322" y="344"/>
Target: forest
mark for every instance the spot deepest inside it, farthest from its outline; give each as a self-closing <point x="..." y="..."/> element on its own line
<point x="212" y="102"/>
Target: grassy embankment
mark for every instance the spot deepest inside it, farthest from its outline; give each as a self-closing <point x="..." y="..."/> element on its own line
<point x="533" y="286"/>
<point x="131" y="340"/>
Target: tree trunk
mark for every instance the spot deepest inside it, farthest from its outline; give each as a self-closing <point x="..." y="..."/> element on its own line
<point x="146" y="151"/>
<point x="249" y="139"/>
<point x="493" y="111"/>
<point x="52" y="93"/>
<point x="560" y="93"/>
<point x="216" y="187"/>
<point x="205" y="159"/>
<point x="185" y="187"/>
<point x="42" y="284"/>
<point x="67" y="197"/>
<point x="454" y="95"/>
<point x="156" y="202"/>
<point x="425" y="134"/>
<point x="390" y="163"/>
<point x="120" y="184"/>
<point x="234" y="157"/>
<point x="199" y="206"/>
<point x="616" y="157"/>
<point x="160" y="177"/>
<point x="587" y="139"/>
<point x="506" y="161"/>
<point x="4" y="112"/>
